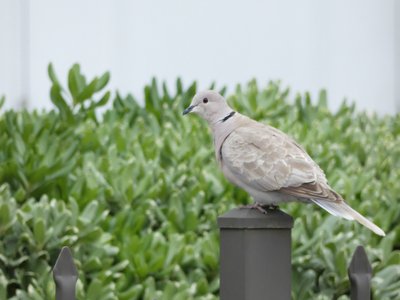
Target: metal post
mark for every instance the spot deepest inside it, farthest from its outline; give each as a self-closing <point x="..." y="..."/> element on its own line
<point x="255" y="256"/>
<point x="65" y="275"/>
<point x="360" y="274"/>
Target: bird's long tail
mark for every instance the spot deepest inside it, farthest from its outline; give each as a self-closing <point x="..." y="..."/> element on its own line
<point x="342" y="209"/>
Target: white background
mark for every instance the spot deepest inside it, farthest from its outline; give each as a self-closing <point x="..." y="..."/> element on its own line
<point x="351" y="48"/>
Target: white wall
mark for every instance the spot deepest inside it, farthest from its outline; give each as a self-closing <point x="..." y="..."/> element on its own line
<point x="10" y="51"/>
<point x="397" y="55"/>
<point x="347" y="47"/>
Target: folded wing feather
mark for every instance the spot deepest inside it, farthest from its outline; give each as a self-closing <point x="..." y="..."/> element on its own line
<point x="267" y="160"/>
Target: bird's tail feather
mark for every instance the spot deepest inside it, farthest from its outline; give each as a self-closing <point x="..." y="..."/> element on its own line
<point x="341" y="209"/>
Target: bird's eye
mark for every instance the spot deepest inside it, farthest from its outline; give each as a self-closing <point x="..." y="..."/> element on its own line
<point x="205" y="100"/>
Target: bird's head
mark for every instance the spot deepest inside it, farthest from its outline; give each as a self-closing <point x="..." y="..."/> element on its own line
<point x="209" y="105"/>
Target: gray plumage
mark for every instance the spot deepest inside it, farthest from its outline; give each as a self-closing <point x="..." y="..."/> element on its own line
<point x="267" y="163"/>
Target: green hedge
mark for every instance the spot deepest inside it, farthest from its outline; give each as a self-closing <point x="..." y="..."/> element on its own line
<point x="134" y="191"/>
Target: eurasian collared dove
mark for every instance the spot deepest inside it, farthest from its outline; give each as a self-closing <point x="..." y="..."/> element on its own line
<point x="267" y="163"/>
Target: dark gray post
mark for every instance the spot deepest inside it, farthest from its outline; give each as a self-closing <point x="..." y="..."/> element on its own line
<point x="255" y="256"/>
<point x="65" y="275"/>
<point x="360" y="274"/>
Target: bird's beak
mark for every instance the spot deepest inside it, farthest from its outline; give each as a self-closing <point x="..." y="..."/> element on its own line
<point x="188" y="110"/>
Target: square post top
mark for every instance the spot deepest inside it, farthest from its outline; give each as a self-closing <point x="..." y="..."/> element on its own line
<point x="246" y="218"/>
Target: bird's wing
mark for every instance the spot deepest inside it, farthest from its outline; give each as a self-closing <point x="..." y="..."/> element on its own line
<point x="268" y="160"/>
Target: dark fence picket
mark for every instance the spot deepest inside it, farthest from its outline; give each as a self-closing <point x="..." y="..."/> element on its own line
<point x="65" y="275"/>
<point x="360" y="274"/>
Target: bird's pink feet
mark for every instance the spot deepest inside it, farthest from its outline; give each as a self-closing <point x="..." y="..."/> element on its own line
<point x="261" y="208"/>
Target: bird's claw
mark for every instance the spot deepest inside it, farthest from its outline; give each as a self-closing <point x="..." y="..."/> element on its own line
<point x="261" y="208"/>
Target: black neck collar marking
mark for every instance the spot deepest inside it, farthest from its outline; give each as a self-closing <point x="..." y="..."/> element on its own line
<point x="228" y="116"/>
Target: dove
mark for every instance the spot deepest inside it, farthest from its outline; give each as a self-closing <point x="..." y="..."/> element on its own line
<point x="268" y="164"/>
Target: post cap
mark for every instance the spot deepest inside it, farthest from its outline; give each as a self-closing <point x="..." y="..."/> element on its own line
<point x="252" y="218"/>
